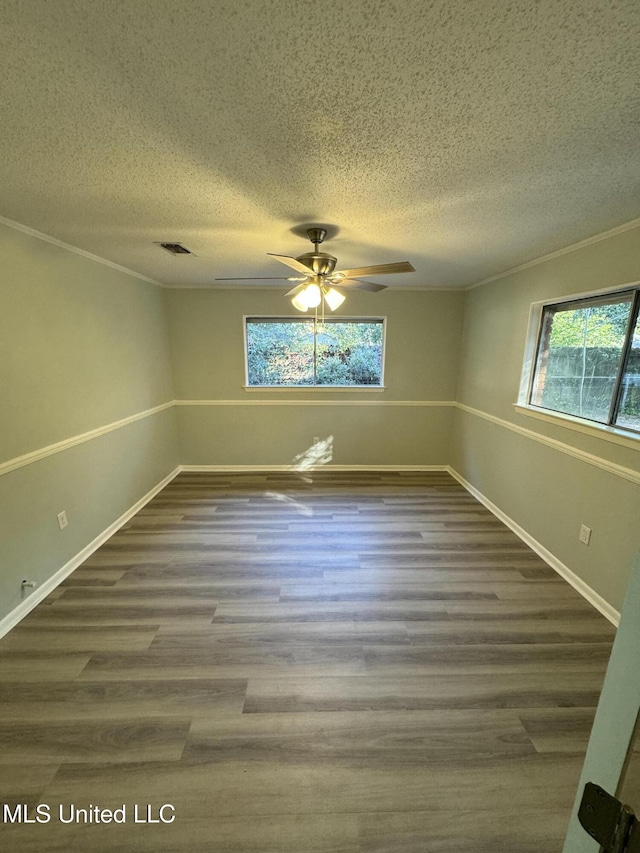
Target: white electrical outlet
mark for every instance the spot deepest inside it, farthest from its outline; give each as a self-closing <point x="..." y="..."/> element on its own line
<point x="62" y="519"/>
<point x="585" y="534"/>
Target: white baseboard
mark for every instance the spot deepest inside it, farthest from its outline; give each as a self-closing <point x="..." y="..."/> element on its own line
<point x="41" y="592"/>
<point x="565" y="572"/>
<point x="231" y="469"/>
<point x="16" y="615"/>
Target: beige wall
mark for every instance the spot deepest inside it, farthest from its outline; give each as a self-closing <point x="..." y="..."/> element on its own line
<point x="82" y="345"/>
<point x="262" y="427"/>
<point x="545" y="489"/>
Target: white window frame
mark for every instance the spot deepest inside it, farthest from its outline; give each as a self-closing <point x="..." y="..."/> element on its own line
<point x="615" y="433"/>
<point x="314" y="388"/>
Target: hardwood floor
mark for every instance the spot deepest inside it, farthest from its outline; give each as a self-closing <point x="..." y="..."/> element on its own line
<point x="364" y="663"/>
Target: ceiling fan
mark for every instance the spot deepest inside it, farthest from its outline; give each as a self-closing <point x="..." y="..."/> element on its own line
<point x="320" y="277"/>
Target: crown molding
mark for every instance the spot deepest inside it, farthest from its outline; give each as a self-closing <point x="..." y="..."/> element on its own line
<point x="597" y="238"/>
<point x="18" y="226"/>
<point x="39" y="235"/>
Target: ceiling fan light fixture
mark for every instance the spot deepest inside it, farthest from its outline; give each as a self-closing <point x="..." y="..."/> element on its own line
<point x="300" y="302"/>
<point x="333" y="298"/>
<point x="312" y="295"/>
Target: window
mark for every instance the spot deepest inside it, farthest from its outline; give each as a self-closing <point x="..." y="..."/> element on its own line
<point x="587" y="361"/>
<point x="287" y="351"/>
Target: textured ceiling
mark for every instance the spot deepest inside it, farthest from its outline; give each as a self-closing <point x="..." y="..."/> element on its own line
<point x="466" y="137"/>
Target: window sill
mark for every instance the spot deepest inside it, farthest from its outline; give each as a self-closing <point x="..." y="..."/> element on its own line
<point x="606" y="433"/>
<point x="314" y="387"/>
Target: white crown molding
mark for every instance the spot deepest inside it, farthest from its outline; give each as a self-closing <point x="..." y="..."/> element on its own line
<point x="582" y="455"/>
<point x="59" y="446"/>
<point x="564" y="571"/>
<point x="18" y="226"/>
<point x="425" y="288"/>
<point x="39" y="235"/>
<point x="41" y="592"/>
<point x="597" y="238"/>
<point x="280" y="402"/>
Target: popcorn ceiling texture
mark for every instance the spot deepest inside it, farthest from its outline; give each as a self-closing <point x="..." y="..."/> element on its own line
<point x="466" y="137"/>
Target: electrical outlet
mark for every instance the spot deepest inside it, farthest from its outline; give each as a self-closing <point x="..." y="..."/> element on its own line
<point x="62" y="519"/>
<point x="316" y="439"/>
<point x="585" y="534"/>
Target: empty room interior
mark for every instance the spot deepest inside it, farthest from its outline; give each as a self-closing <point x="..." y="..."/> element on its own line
<point x="320" y="381"/>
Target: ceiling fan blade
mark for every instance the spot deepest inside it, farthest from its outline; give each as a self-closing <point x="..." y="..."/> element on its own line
<point x="261" y="278"/>
<point x="294" y="263"/>
<point x="357" y="284"/>
<point x="295" y="290"/>
<point x="381" y="269"/>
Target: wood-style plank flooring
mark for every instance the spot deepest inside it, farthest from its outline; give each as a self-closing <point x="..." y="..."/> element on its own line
<point x="363" y="663"/>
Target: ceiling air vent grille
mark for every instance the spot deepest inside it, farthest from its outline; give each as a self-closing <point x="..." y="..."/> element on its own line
<point x="175" y="248"/>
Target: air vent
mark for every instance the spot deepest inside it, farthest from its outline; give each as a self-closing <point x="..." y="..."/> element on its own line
<point x="175" y="248"/>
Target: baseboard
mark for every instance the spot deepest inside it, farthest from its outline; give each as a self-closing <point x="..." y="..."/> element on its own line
<point x="565" y="572"/>
<point x="247" y="469"/>
<point x="41" y="592"/>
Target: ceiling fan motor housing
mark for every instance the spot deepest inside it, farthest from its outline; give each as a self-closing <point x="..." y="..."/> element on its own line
<point x="318" y="262"/>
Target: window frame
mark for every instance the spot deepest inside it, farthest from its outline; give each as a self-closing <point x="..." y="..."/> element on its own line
<point x="296" y="318"/>
<point x="530" y="364"/>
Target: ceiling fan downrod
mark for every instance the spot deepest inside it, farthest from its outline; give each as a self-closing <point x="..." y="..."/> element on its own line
<point x="318" y="263"/>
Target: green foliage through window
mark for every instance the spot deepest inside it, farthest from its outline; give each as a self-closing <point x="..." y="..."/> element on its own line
<point x="292" y="352"/>
<point x="588" y="360"/>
